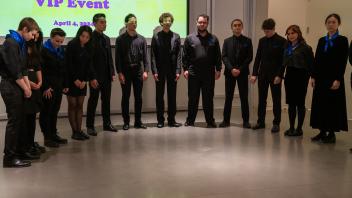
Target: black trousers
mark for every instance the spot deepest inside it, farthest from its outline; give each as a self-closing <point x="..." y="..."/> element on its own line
<point x="14" y="102"/>
<point x="171" y="96"/>
<point x="205" y="84"/>
<point x="48" y="114"/>
<point x="135" y="79"/>
<point x="105" y="90"/>
<point x="30" y="125"/>
<point x="263" y="87"/>
<point x="230" y="84"/>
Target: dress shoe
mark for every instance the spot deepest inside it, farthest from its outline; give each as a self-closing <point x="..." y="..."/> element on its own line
<point x="92" y="132"/>
<point x="258" y="126"/>
<point x="126" y="127"/>
<point x="51" y="144"/>
<point x="60" y="140"/>
<point x="275" y="128"/>
<point x="319" y="137"/>
<point x="15" y="163"/>
<point x="189" y="124"/>
<point x="289" y="132"/>
<point x="211" y="125"/>
<point x="140" y="126"/>
<point x="85" y="135"/>
<point x="329" y="139"/>
<point x="34" y="151"/>
<point x="28" y="156"/>
<point x="110" y="127"/>
<point x="160" y="125"/>
<point x="224" y="124"/>
<point x="246" y="125"/>
<point x="297" y="132"/>
<point x="76" y="135"/>
<point x="174" y="124"/>
<point x="41" y="148"/>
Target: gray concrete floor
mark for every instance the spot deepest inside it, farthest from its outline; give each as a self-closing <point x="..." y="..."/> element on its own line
<point x="186" y="162"/>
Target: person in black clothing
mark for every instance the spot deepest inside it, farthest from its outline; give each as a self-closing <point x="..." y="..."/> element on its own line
<point x="237" y="53"/>
<point x="329" y="113"/>
<point x="298" y="61"/>
<point x="202" y="66"/>
<point x="166" y="67"/>
<point x="14" y="88"/>
<point x="54" y="84"/>
<point x="266" y="69"/>
<point x="79" y="62"/>
<point x="101" y="76"/>
<point x="132" y="66"/>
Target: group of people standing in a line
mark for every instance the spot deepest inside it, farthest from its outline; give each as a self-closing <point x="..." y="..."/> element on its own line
<point x="35" y="75"/>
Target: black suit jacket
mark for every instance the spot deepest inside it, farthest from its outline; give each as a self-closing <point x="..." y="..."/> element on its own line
<point x="244" y="57"/>
<point x="157" y="52"/>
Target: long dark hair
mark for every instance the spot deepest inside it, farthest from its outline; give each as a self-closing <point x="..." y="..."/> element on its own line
<point x="296" y="29"/>
<point x="80" y="31"/>
<point x="34" y="48"/>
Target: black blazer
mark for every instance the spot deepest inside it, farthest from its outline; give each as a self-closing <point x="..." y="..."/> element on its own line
<point x="245" y="55"/>
<point x="157" y="52"/>
<point x="102" y="58"/>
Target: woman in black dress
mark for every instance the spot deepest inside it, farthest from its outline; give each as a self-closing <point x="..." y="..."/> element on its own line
<point x="298" y="60"/>
<point x="78" y="60"/>
<point x="329" y="113"/>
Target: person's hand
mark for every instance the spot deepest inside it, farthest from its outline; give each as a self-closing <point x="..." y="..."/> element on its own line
<point x="34" y="86"/>
<point x="253" y="79"/>
<point x="83" y="85"/>
<point x="217" y="75"/>
<point x="145" y="76"/>
<point x="335" y="85"/>
<point x="47" y="93"/>
<point x="177" y="77"/>
<point x="156" y="77"/>
<point x="27" y="93"/>
<point x="65" y="90"/>
<point x="235" y="72"/>
<point x="122" y="78"/>
<point x="77" y="83"/>
<point x="94" y="83"/>
<point x="186" y="74"/>
<point x="277" y="80"/>
<point x="312" y="82"/>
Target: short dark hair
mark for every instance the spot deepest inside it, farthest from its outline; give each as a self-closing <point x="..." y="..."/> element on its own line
<point x="239" y="20"/>
<point x="97" y="16"/>
<point x="57" y="31"/>
<point x="336" y="16"/>
<point x="82" y="29"/>
<point x="28" y="23"/>
<point x="130" y="15"/>
<point x="164" y="16"/>
<point x="268" y="24"/>
<point x="204" y="16"/>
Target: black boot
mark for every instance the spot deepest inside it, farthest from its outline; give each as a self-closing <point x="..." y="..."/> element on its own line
<point x="319" y="137"/>
<point x="330" y="139"/>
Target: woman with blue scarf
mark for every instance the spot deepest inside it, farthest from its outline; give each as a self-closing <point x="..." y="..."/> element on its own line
<point x="298" y="60"/>
<point x="329" y="113"/>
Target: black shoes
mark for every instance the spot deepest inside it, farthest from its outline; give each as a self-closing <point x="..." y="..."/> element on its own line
<point x="140" y="125"/>
<point x="27" y="156"/>
<point x="38" y="147"/>
<point x="258" y="126"/>
<point x="329" y="139"/>
<point x="110" y="127"/>
<point x="92" y="131"/>
<point x="160" y="125"/>
<point x="126" y="126"/>
<point x="15" y="163"/>
<point x="189" y="124"/>
<point x="224" y="124"/>
<point x="59" y="140"/>
<point x="294" y="133"/>
<point x="174" y="124"/>
<point x="319" y="137"/>
<point x="51" y="144"/>
<point x="211" y="125"/>
<point x="275" y="128"/>
<point x="246" y="125"/>
<point x="79" y="135"/>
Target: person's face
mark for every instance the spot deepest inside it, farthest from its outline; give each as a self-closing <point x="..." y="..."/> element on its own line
<point x="332" y="24"/>
<point x="84" y="38"/>
<point x="292" y="36"/>
<point x="131" y="24"/>
<point x="57" y="41"/>
<point x="28" y="35"/>
<point x="100" y="25"/>
<point x="166" y="24"/>
<point x="202" y="24"/>
<point x="269" y="33"/>
<point x="237" y="27"/>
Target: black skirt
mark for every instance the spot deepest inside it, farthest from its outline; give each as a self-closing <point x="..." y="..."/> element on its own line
<point x="296" y="83"/>
<point x="34" y="103"/>
<point x="75" y="91"/>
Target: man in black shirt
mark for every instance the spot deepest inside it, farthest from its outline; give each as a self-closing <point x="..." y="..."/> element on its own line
<point x="237" y="53"/>
<point x="166" y="66"/>
<point x="267" y="69"/>
<point x="202" y="66"/>
<point x="132" y="66"/>
<point x="101" y="77"/>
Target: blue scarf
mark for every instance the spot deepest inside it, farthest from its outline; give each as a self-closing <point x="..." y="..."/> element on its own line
<point x="291" y="47"/>
<point x="19" y="39"/>
<point x="328" y="41"/>
<point x="59" y="52"/>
